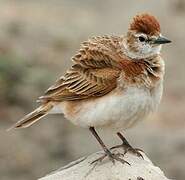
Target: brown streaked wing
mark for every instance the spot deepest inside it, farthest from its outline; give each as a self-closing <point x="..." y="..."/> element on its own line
<point x="99" y="52"/>
<point x="88" y="83"/>
<point x="94" y="73"/>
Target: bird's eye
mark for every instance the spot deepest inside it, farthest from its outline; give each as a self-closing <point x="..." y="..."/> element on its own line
<point x="142" y="39"/>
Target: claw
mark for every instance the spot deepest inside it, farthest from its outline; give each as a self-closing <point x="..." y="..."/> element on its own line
<point x="112" y="157"/>
<point x="100" y="159"/>
<point x="134" y="151"/>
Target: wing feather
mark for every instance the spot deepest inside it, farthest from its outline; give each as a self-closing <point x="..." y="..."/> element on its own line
<point x="94" y="73"/>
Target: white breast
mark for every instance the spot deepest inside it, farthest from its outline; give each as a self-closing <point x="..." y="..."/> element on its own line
<point x="115" y="111"/>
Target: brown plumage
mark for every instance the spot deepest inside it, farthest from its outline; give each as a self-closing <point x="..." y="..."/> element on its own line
<point x="145" y="23"/>
<point x="98" y="67"/>
<point x="115" y="81"/>
<point x="93" y="74"/>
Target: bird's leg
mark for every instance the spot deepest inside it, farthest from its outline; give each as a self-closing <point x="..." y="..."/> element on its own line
<point x="127" y="147"/>
<point x="112" y="156"/>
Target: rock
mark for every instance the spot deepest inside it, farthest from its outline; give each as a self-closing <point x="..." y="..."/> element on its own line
<point x="82" y="169"/>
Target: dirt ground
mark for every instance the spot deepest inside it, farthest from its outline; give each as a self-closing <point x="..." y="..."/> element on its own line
<point x="37" y="39"/>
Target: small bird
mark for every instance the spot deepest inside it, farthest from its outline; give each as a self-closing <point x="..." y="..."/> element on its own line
<point x="115" y="82"/>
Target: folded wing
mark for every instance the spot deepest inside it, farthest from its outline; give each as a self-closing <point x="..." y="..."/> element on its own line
<point x="94" y="73"/>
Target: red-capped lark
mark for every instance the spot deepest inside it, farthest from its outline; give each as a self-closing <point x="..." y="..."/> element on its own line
<point x="115" y="81"/>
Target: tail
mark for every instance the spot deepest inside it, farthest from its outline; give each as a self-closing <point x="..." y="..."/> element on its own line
<point x="32" y="117"/>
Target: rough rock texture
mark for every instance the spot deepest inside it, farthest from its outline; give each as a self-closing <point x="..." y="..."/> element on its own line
<point x="82" y="169"/>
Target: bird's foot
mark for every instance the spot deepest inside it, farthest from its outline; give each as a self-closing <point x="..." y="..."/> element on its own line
<point x="127" y="147"/>
<point x="135" y="151"/>
<point x="113" y="157"/>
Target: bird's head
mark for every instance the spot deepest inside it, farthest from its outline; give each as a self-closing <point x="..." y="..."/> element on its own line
<point x="144" y="37"/>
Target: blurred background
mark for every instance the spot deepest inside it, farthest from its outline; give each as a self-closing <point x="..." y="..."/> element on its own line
<point x="37" y="39"/>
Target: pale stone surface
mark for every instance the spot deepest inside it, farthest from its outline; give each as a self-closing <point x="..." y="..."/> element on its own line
<point x="82" y="169"/>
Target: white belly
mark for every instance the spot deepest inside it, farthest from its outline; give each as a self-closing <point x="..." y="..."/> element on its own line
<point x="115" y="111"/>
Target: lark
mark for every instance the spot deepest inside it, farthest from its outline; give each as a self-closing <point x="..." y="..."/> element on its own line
<point x="114" y="82"/>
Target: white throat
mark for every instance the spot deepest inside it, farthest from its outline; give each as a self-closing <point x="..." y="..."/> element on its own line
<point x="145" y="52"/>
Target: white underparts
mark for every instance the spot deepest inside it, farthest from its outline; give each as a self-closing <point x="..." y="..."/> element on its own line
<point x="115" y="111"/>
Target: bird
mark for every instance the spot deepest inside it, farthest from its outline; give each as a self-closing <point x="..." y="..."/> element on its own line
<point x="114" y="82"/>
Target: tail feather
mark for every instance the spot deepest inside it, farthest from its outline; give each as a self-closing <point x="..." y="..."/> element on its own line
<point x="32" y="117"/>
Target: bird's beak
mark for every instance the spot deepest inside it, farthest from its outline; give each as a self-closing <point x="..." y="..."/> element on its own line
<point x="161" y="40"/>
